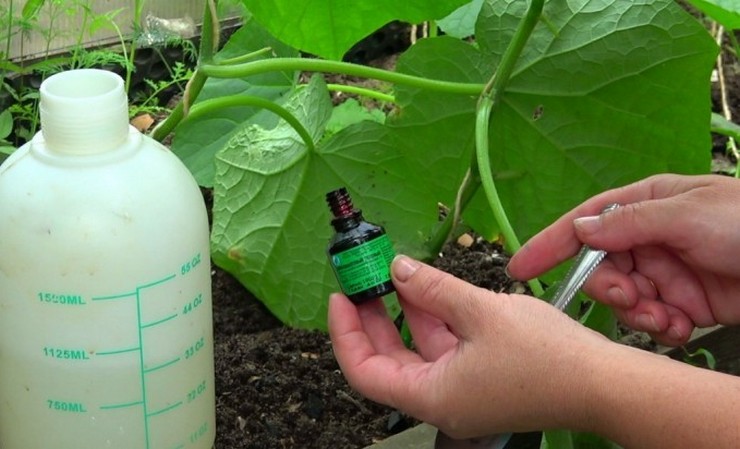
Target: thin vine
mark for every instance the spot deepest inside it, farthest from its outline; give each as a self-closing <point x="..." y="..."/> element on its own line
<point x="488" y="101"/>
<point x="217" y="104"/>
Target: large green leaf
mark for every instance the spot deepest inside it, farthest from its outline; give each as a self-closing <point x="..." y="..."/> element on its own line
<point x="606" y="93"/>
<point x="328" y="28"/>
<point x="586" y="108"/>
<point x="197" y="141"/>
<point x="271" y="226"/>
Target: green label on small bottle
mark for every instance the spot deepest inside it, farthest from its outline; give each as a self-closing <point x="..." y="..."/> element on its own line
<point x="364" y="266"/>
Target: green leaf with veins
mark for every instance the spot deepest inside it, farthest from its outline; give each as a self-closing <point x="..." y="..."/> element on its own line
<point x="197" y="141"/>
<point x="329" y="28"/>
<point x="595" y="102"/>
<point x="271" y="225"/>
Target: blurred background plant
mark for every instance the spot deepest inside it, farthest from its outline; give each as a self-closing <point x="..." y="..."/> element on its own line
<point x="38" y="38"/>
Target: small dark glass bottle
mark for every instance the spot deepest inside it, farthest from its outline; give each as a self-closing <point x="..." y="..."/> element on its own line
<point x="360" y="253"/>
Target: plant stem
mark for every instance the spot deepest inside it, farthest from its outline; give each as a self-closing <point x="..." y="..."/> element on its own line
<point x="443" y="232"/>
<point x="209" y="32"/>
<point x="344" y="68"/>
<point x="301" y="64"/>
<point x="735" y="44"/>
<point x="217" y="104"/>
<point x="138" y="10"/>
<point x="167" y="125"/>
<point x="363" y="91"/>
<point x="488" y="101"/>
<point x="244" y="58"/>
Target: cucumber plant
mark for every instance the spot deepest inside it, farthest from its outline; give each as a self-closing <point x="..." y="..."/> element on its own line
<point x="551" y="102"/>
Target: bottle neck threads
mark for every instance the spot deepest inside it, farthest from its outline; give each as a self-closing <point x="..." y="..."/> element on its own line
<point x="83" y="112"/>
<point x="345" y="215"/>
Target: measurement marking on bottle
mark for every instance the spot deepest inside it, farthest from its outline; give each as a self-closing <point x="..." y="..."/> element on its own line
<point x="197" y="391"/>
<point x="160" y="281"/>
<point x="66" y="406"/>
<point x="164" y="365"/>
<point x="144" y="402"/>
<point x="164" y="410"/>
<point x="118" y="351"/>
<point x="189" y="265"/>
<point x="66" y="354"/>
<point x="192" y="305"/>
<point x="116" y="406"/>
<point x="114" y="297"/>
<point x="195" y="347"/>
<point x="158" y="322"/>
<point x="142" y="373"/>
<point x="196" y="435"/>
<point x="62" y="299"/>
<point x="135" y="293"/>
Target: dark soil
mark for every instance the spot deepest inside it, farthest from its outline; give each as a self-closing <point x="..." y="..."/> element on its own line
<point x="281" y="388"/>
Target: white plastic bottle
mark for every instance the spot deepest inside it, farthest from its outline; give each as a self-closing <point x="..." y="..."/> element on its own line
<point x="106" y="336"/>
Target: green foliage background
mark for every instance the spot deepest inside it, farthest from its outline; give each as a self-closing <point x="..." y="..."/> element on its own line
<point x="605" y="92"/>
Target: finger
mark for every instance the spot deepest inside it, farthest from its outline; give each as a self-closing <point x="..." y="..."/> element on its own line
<point x="356" y="327"/>
<point x="559" y="241"/>
<point x="614" y="283"/>
<point x="352" y="345"/>
<point x="432" y="337"/>
<point x="637" y="224"/>
<point x="645" y="287"/>
<point x="436" y="293"/>
<point x="609" y="285"/>
<point x="362" y="365"/>
<point x="382" y="331"/>
<point x="676" y="284"/>
<point x="679" y="328"/>
<point x="647" y="315"/>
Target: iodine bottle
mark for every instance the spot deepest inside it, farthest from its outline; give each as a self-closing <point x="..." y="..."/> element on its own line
<point x="106" y="336"/>
<point x="360" y="253"/>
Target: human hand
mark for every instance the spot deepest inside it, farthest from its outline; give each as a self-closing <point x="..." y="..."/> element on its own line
<point x="673" y="246"/>
<point x="484" y="362"/>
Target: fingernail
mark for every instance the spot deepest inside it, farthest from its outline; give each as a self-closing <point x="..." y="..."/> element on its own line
<point x="674" y="333"/>
<point x="617" y="297"/>
<point x="588" y="225"/>
<point x="403" y="267"/>
<point x="646" y="322"/>
<point x="506" y="271"/>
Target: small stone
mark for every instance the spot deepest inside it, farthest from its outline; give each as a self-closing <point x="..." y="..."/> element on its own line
<point x="142" y="122"/>
<point x="465" y="240"/>
<point x="241" y="422"/>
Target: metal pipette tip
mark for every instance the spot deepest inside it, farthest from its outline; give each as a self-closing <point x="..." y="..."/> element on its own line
<point x="585" y="263"/>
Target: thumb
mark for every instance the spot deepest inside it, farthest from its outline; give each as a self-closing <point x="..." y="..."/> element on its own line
<point x="635" y="224"/>
<point x="433" y="291"/>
